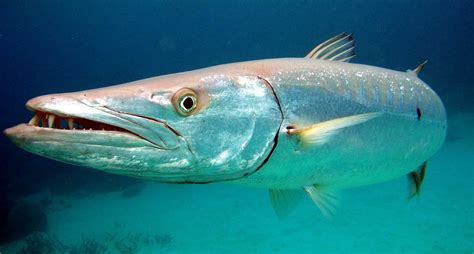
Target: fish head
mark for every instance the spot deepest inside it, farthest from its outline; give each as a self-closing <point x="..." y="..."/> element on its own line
<point x="191" y="127"/>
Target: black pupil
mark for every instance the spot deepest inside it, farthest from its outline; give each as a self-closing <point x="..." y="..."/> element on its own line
<point x="188" y="103"/>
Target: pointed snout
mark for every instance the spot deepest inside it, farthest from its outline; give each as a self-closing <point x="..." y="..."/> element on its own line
<point x="96" y="106"/>
<point x="58" y="104"/>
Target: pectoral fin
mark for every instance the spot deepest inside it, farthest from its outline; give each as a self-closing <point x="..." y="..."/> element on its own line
<point x="284" y="201"/>
<point x="415" y="179"/>
<point x="321" y="133"/>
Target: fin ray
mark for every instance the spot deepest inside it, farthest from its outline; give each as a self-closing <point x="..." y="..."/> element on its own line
<point x="321" y="133"/>
<point x="284" y="201"/>
<point x="347" y="59"/>
<point x="420" y="67"/>
<point x="325" y="201"/>
<point x="318" y="47"/>
<point x="338" y="48"/>
<point x="344" y="54"/>
<point x="415" y="179"/>
<point x="326" y="51"/>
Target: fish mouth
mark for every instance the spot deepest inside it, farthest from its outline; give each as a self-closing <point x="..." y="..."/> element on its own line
<point x="24" y="135"/>
<point x="48" y="120"/>
<point x="72" y="120"/>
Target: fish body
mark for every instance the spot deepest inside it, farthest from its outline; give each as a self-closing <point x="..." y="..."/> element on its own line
<point x="316" y="123"/>
<point x="410" y="129"/>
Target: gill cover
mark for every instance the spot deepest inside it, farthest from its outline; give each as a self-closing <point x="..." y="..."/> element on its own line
<point x="229" y="124"/>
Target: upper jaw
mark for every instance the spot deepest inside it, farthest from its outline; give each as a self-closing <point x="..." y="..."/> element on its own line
<point x="68" y="114"/>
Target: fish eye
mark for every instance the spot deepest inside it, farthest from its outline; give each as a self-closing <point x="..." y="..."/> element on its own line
<point x="185" y="101"/>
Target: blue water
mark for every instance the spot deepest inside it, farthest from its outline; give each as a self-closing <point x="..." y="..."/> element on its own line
<point x="59" y="46"/>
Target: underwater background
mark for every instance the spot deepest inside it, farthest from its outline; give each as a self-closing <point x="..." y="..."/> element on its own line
<point x="60" y="46"/>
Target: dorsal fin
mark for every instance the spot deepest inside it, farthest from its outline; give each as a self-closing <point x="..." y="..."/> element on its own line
<point x="419" y="68"/>
<point x="338" y="48"/>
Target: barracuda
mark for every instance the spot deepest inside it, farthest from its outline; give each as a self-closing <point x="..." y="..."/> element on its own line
<point x="315" y="124"/>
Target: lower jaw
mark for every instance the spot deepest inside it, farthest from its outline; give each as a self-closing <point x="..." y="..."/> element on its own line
<point x="23" y="134"/>
<point x="109" y="151"/>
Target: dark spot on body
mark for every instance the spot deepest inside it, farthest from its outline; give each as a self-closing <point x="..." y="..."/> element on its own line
<point x="418" y="113"/>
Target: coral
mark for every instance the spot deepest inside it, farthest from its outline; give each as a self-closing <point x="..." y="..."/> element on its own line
<point x="89" y="246"/>
<point x="42" y="243"/>
<point x="130" y="243"/>
<point x="117" y="241"/>
<point x="163" y="240"/>
<point x="22" y="220"/>
<point x="126" y="246"/>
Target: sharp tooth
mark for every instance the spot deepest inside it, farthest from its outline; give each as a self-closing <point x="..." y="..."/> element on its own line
<point x="70" y="123"/>
<point x="51" y="121"/>
<point x="34" y="121"/>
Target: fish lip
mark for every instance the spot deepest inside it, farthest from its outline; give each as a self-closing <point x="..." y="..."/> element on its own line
<point x="24" y="132"/>
<point x="59" y="105"/>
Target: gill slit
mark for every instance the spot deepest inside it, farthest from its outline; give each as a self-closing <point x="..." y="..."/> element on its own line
<point x="275" y="139"/>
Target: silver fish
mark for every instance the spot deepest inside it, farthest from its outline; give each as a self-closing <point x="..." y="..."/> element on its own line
<point x="316" y="124"/>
